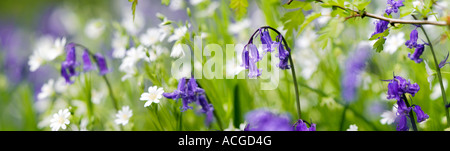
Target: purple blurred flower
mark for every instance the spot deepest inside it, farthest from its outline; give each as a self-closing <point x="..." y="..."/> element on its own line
<point x="87" y="64"/>
<point x="301" y="126"/>
<point x="417" y="53"/>
<point x="69" y="65"/>
<point x="421" y="116"/>
<point x="262" y="120"/>
<point x="355" y="64"/>
<point x="101" y="63"/>
<point x="206" y="108"/>
<point x="444" y="62"/>
<point x="392" y="6"/>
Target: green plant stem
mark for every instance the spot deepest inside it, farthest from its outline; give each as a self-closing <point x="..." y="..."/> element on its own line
<point x="439" y="75"/>
<point x="341" y="127"/>
<point x="411" y="115"/>
<point x="111" y="93"/>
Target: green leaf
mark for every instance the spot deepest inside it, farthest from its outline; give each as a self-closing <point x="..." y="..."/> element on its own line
<point x="378" y="46"/>
<point x="292" y="20"/>
<point x="308" y="20"/>
<point x="239" y="7"/>
<point x="379" y="35"/>
<point x="165" y="2"/>
<point x="361" y="4"/>
<point x="133" y="7"/>
<point x="407" y="9"/>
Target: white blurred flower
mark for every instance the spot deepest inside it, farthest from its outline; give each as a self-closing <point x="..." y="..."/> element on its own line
<point x="176" y="4"/>
<point x="417" y="4"/>
<point x="239" y="26"/>
<point x="178" y="33"/>
<point x="61" y="85"/>
<point x="153" y="95"/>
<point x="209" y="11"/>
<point x="394" y="42"/>
<point x="431" y="73"/>
<point x="129" y="62"/>
<point x="151" y="37"/>
<point x="195" y="2"/>
<point x="233" y="68"/>
<point x="46" y="90"/>
<point x="46" y="49"/>
<point x="123" y="115"/>
<point x="353" y="127"/>
<point x="177" y="51"/>
<point x="325" y="16"/>
<point x="97" y="96"/>
<point x="388" y="117"/>
<point x="310" y="60"/>
<point x="133" y="27"/>
<point x="436" y="92"/>
<point x="94" y="28"/>
<point x="60" y="120"/>
<point x="119" y="44"/>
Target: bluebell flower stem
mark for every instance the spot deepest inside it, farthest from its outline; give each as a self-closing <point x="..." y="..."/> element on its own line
<point x="294" y="77"/>
<point x="111" y="93"/>
<point x="411" y="115"/>
<point x="439" y="75"/>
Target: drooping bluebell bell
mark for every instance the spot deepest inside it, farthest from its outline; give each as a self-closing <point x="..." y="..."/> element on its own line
<point x="402" y="115"/>
<point x="68" y="66"/>
<point x="413" y="37"/>
<point x="253" y="58"/>
<point x="87" y="64"/>
<point x="263" y="120"/>
<point x="380" y="26"/>
<point x="266" y="40"/>
<point x="421" y="116"/>
<point x="417" y="53"/>
<point x="189" y="92"/>
<point x="354" y="65"/>
<point x="101" y="62"/>
<point x="283" y="54"/>
<point x="392" y="6"/>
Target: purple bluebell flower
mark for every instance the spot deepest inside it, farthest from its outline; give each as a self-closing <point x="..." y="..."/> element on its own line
<point x="444" y="62"/>
<point x="402" y="123"/>
<point x="392" y="6"/>
<point x="421" y="116"/>
<point x="354" y="65"/>
<point x="189" y="92"/>
<point x="399" y="86"/>
<point x="283" y="54"/>
<point x="417" y="53"/>
<point x="266" y="40"/>
<point x="254" y="57"/>
<point x="262" y="120"/>
<point x="101" y="63"/>
<point x="69" y="65"/>
<point x="300" y="125"/>
<point x="380" y="26"/>
<point x="412" y="42"/>
<point x="87" y="64"/>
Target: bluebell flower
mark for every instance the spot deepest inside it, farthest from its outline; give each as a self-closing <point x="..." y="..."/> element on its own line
<point x="392" y="6"/>
<point x="444" y="62"/>
<point x="399" y="86"/>
<point x="254" y="57"/>
<point x="421" y="116"/>
<point x="354" y="65"/>
<point x="101" y="62"/>
<point x="402" y="115"/>
<point x="283" y="54"/>
<point x="380" y="26"/>
<point x="266" y="40"/>
<point x="189" y="92"/>
<point x="68" y="66"/>
<point x="263" y="120"/>
<point x="412" y="42"/>
<point x="300" y="125"/>
<point x="417" y="53"/>
<point x="87" y="64"/>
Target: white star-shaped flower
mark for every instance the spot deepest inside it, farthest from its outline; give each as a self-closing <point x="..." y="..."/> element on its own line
<point x="60" y="120"/>
<point x="123" y="116"/>
<point x="47" y="90"/>
<point x="153" y="95"/>
<point x="353" y="127"/>
<point x="388" y="117"/>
